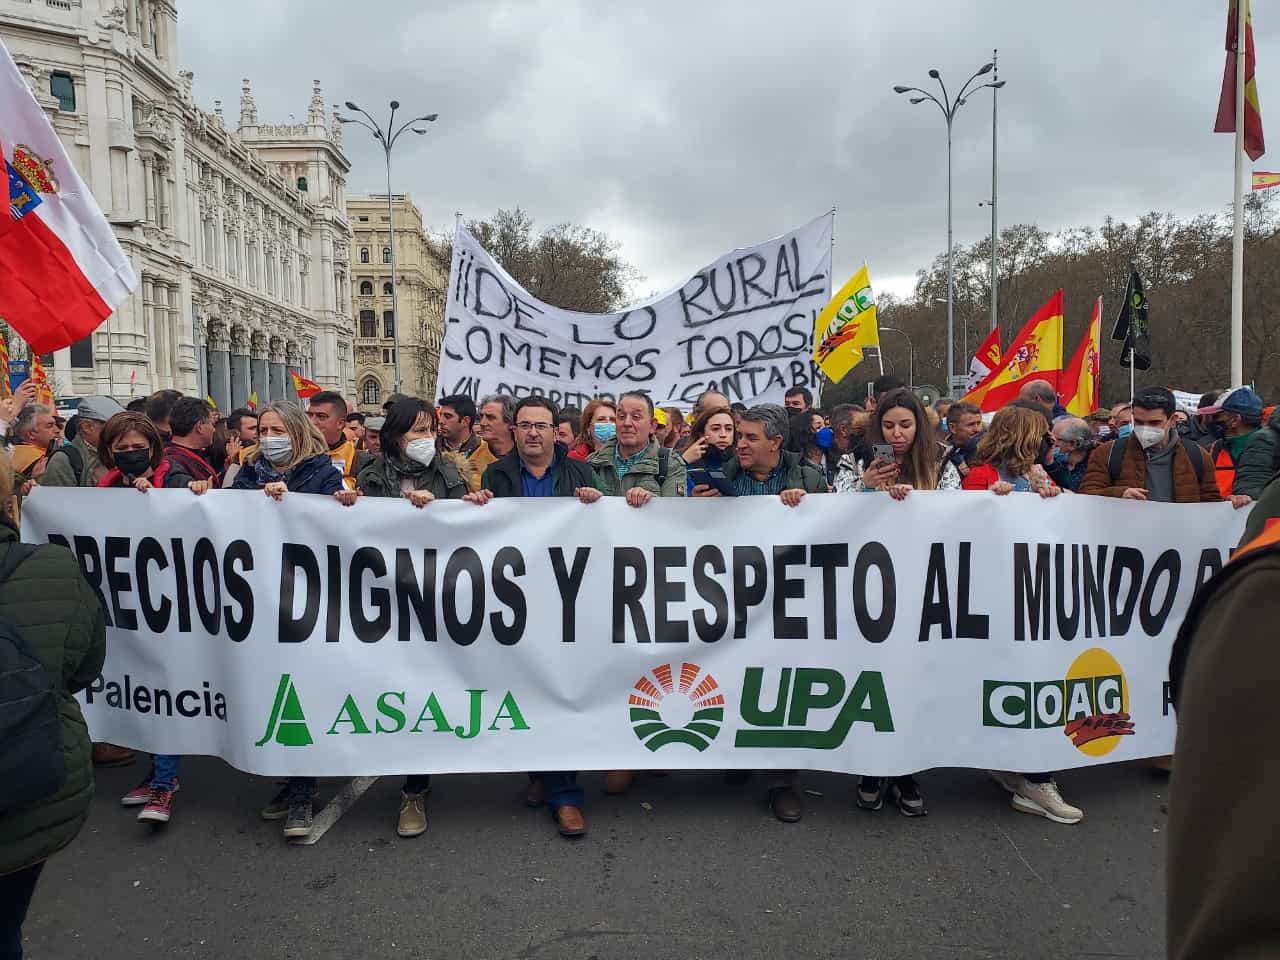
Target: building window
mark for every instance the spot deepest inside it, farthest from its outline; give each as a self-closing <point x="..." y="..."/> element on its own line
<point x="386" y="219"/>
<point x="386" y="254"/>
<point x="368" y="324"/>
<point x="386" y="289"/>
<point x="82" y="353"/>
<point x="370" y="393"/>
<point x="388" y="324"/>
<point x="366" y="288"/>
<point x="63" y="87"/>
<point x="388" y="356"/>
<point x="364" y="254"/>
<point x="364" y="219"/>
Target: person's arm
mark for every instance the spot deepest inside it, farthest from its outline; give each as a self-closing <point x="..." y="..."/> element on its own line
<point x="676" y="484"/>
<point x="1097" y="476"/>
<point x="90" y="665"/>
<point x="59" y="472"/>
<point x="1254" y="469"/>
<point x="331" y="482"/>
<point x="245" y="479"/>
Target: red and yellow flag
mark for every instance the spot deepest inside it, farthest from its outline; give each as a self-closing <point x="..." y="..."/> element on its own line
<point x="1080" y="381"/>
<point x="44" y="393"/>
<point x="985" y="360"/>
<point x="1226" y="123"/>
<point x="1035" y="354"/>
<point x="252" y="402"/>
<point x="5" y="390"/>
<point x="208" y="398"/>
<point x="303" y="387"/>
<point x="1261" y="180"/>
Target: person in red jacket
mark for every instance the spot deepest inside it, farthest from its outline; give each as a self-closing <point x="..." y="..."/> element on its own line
<point x="599" y="425"/>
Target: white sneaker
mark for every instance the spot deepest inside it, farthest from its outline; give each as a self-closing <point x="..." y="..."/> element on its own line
<point x="1043" y="799"/>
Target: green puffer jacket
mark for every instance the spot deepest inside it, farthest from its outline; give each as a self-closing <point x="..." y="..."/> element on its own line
<point x="798" y="475"/>
<point x="447" y="477"/>
<point x="1260" y="459"/>
<point x="60" y="617"/>
<point x="643" y="475"/>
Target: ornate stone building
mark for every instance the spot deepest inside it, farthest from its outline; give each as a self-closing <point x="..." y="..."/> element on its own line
<point x="238" y="232"/>
<point x="420" y="291"/>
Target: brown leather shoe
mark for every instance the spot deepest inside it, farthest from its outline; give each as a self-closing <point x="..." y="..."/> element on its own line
<point x="785" y="803"/>
<point x="109" y="755"/>
<point x="536" y="794"/>
<point x="570" y="821"/>
<point x="617" y="782"/>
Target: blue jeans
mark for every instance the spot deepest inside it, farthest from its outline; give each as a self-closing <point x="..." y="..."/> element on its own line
<point x="164" y="771"/>
<point x="562" y="789"/>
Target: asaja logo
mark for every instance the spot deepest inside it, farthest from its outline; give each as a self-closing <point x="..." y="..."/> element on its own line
<point x="1091" y="704"/>
<point x="287" y="724"/>
<point x="665" y="710"/>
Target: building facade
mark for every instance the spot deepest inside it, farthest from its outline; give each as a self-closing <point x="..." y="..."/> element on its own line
<point x="237" y="231"/>
<point x="420" y="289"/>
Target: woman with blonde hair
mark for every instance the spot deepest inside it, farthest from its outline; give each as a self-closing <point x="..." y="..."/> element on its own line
<point x="1011" y="454"/>
<point x="291" y="457"/>
<point x="599" y="425"/>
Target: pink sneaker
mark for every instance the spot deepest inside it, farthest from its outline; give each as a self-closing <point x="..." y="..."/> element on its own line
<point x="138" y="796"/>
<point x="159" y="804"/>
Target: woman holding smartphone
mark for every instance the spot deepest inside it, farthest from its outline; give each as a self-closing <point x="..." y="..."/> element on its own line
<point x="710" y="443"/>
<point x="904" y="454"/>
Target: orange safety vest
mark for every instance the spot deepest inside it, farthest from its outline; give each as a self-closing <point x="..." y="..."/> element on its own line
<point x="343" y="457"/>
<point x="1226" y="471"/>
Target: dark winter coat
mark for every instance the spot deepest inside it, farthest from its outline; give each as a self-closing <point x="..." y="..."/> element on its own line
<point x="503" y="475"/>
<point x="313" y="475"/>
<point x="60" y="616"/>
<point x="446" y="477"/>
<point x="1259" y="462"/>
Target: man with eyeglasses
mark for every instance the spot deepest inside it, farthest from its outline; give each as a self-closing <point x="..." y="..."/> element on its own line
<point x="539" y="466"/>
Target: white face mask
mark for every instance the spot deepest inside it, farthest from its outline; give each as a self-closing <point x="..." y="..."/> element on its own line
<point x="422" y="450"/>
<point x="276" y="449"/>
<point x="1148" y="436"/>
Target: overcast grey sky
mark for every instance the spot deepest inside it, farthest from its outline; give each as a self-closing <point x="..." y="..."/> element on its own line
<point x="685" y="129"/>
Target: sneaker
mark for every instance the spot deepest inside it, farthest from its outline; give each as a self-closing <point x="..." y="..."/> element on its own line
<point x="298" y="821"/>
<point x="140" y="794"/>
<point x="159" y="804"/>
<point x="413" y="815"/>
<point x="870" y="793"/>
<point x="1043" y="799"/>
<point x="1010" y="781"/>
<point x="278" y="808"/>
<point x="906" y="794"/>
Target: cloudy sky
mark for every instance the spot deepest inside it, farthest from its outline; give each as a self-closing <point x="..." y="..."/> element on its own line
<point x="684" y="129"/>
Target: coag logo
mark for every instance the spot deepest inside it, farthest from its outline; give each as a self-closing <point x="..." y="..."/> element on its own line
<point x="1091" y="704"/>
<point x="287" y="724"/>
<point x="805" y="690"/>
<point x="665" y="710"/>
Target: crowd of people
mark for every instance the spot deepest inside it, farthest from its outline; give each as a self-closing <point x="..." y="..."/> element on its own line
<point x="459" y="449"/>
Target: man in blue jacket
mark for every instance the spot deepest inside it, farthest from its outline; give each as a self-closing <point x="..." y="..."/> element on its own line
<point x="541" y="467"/>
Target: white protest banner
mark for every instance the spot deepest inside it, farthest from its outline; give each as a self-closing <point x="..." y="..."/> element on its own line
<point x="852" y="633"/>
<point x="743" y="325"/>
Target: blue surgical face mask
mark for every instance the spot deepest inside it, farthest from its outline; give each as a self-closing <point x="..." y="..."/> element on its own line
<point x="604" y="431"/>
<point x="1059" y="457"/>
<point x="1125" y="430"/>
<point x="824" y="437"/>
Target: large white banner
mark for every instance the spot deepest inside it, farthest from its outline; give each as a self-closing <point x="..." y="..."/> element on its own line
<point x="852" y="633"/>
<point x="743" y="325"/>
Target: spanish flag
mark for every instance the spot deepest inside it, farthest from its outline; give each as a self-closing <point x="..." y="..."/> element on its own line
<point x="44" y="393"/>
<point x="1261" y="180"/>
<point x="1226" y="123"/>
<point x="5" y="391"/>
<point x="303" y="387"/>
<point x="252" y="403"/>
<point x="1035" y="354"/>
<point x="1080" y="382"/>
<point x="845" y="327"/>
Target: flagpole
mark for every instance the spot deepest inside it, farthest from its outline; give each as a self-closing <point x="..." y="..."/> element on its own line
<point x="1237" y="233"/>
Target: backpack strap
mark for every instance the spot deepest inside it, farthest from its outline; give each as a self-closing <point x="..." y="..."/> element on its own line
<point x="1195" y="453"/>
<point x="1116" y="458"/>
<point x="664" y="463"/>
<point x="17" y="553"/>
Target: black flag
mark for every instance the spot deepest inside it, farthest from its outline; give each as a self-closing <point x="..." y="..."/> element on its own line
<point x="1131" y="325"/>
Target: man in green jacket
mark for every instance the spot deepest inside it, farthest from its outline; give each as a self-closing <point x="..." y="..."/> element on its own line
<point x="1260" y="460"/>
<point x="76" y="464"/>
<point x="760" y="467"/>
<point x="633" y="465"/>
<point x="47" y="598"/>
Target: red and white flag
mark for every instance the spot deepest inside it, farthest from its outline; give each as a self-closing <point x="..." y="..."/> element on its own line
<point x="61" y="270"/>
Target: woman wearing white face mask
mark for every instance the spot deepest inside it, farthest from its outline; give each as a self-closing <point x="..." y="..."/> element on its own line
<point x="411" y="467"/>
<point x="291" y="457"/>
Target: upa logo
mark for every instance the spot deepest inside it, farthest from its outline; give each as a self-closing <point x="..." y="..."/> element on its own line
<point x="688" y="710"/>
<point x="1091" y="704"/>
<point x="805" y="690"/>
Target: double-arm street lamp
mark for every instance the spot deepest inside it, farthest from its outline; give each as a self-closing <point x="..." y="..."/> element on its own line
<point x="388" y="138"/>
<point x="911" y="354"/>
<point x="949" y="106"/>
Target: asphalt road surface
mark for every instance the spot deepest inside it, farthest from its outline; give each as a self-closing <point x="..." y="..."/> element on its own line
<point x="683" y="866"/>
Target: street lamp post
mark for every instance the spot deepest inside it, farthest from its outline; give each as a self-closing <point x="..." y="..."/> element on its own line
<point x="388" y="140"/>
<point x="949" y="107"/>
<point x="911" y="354"/>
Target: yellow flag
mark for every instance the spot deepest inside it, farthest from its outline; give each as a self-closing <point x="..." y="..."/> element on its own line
<point x="845" y="327"/>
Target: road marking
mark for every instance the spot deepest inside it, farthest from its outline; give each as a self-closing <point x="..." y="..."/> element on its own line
<point x="332" y="812"/>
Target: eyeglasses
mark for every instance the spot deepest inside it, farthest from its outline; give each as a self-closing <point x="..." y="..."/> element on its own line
<point x="539" y="425"/>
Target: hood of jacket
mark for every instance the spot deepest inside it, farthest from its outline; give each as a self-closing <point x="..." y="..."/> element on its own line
<point x="604" y="457"/>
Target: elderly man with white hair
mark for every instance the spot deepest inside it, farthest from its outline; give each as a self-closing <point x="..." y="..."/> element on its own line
<point x="1073" y="441"/>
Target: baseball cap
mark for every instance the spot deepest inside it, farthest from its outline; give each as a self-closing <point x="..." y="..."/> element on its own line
<point x="1240" y="400"/>
<point x="98" y="408"/>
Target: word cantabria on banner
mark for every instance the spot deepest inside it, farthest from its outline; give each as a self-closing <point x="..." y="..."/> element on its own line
<point x="743" y="325"/>
<point x="851" y="633"/>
